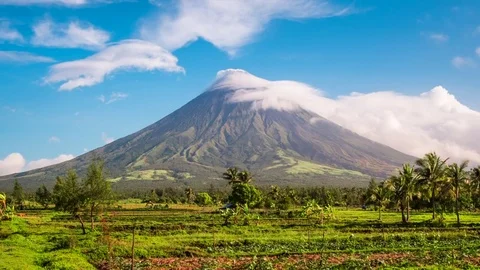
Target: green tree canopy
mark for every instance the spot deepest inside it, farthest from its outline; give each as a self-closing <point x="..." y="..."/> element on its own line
<point x="43" y="196"/>
<point x="431" y="171"/>
<point x="245" y="194"/>
<point x="18" y="195"/>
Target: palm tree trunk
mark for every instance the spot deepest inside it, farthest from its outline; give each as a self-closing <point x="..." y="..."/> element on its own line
<point x="408" y="210"/>
<point x="433" y="200"/>
<point x="402" y="208"/>
<point x="456" y="204"/>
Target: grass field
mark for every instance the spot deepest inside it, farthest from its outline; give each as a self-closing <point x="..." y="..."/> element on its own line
<point x="191" y="237"/>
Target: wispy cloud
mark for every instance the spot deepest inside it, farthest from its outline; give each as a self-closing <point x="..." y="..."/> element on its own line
<point x="114" y="96"/>
<point x="68" y="3"/>
<point x="23" y="57"/>
<point x="228" y="25"/>
<point x="477" y="51"/>
<point x="54" y="139"/>
<point x="10" y="109"/>
<point x="476" y="31"/>
<point x="106" y="139"/>
<point x="74" y="34"/>
<point x="128" y="54"/>
<point x="462" y="62"/>
<point x="439" y="37"/>
<point x="9" y="34"/>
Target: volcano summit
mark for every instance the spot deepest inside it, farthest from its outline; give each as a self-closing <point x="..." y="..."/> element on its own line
<point x="240" y="120"/>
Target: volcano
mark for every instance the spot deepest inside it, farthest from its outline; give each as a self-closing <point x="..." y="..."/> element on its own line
<point x="237" y="122"/>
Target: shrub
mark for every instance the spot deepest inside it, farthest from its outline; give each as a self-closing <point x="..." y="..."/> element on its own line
<point x="203" y="199"/>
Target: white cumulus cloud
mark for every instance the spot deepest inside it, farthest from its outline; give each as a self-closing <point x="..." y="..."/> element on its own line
<point x="74" y="34"/>
<point x="7" y="33"/>
<point x="228" y="25"/>
<point x="432" y="121"/>
<point x="45" y="162"/>
<point x="15" y="163"/>
<point x="125" y="55"/>
<point x="23" y="57"/>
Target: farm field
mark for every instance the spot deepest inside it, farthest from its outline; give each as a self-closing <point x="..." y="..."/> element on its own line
<point x="193" y="237"/>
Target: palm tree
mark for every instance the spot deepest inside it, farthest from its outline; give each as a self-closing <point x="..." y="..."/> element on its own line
<point x="245" y="177"/>
<point x="396" y="186"/>
<point x="475" y="179"/>
<point x="381" y="196"/>
<point x="458" y="176"/>
<point x="403" y="188"/>
<point x="431" y="169"/>
<point x="410" y="179"/>
<point x="274" y="192"/>
<point x="232" y="175"/>
<point x="190" y="194"/>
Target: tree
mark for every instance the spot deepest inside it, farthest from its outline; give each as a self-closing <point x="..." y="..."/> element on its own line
<point x="245" y="177"/>
<point x="475" y="185"/>
<point x="410" y="181"/>
<point x="403" y="187"/>
<point x="274" y="192"/>
<point x="396" y="185"/>
<point x="43" y="196"/>
<point x="458" y="176"/>
<point x="431" y="170"/>
<point x="232" y="175"/>
<point x="312" y="210"/>
<point x="203" y="199"/>
<point x="3" y="204"/>
<point x="380" y="195"/>
<point x="69" y="196"/>
<point x="18" y="195"/>
<point x="245" y="194"/>
<point x="96" y="188"/>
<point x="190" y="195"/>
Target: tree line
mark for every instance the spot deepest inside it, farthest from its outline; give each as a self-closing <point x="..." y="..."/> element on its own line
<point x="430" y="184"/>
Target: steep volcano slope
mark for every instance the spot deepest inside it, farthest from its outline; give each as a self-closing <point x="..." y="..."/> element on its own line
<point x="211" y="133"/>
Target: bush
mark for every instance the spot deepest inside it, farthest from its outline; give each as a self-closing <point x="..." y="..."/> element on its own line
<point x="203" y="199"/>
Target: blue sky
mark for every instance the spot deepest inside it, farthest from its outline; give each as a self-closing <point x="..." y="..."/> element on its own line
<point x="339" y="47"/>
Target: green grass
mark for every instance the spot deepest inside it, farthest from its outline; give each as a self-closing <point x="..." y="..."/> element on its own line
<point x="296" y="167"/>
<point x="354" y="238"/>
<point x="304" y="167"/>
<point x="147" y="175"/>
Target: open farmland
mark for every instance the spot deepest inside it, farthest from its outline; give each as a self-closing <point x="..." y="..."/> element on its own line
<point x="192" y="237"/>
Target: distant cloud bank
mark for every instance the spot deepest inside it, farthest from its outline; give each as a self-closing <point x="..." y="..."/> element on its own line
<point x="15" y="163"/>
<point x="432" y="121"/>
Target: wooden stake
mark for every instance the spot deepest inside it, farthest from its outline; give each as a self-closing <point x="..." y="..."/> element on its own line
<point x="133" y="248"/>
